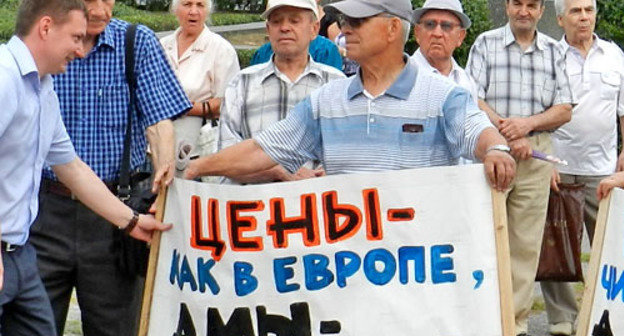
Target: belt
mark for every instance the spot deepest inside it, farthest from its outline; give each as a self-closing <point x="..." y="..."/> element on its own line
<point x="7" y="247"/>
<point x="58" y="188"/>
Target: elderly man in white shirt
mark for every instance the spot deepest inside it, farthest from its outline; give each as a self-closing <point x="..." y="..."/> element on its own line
<point x="589" y="141"/>
<point x="440" y="28"/>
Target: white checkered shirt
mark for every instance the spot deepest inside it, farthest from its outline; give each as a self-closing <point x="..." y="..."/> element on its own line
<point x="261" y="95"/>
<point x="516" y="82"/>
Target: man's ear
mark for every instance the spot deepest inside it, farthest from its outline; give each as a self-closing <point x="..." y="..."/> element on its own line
<point x="416" y="32"/>
<point x="462" y="36"/>
<point x="395" y="29"/>
<point x="43" y="27"/>
<point x="315" y="28"/>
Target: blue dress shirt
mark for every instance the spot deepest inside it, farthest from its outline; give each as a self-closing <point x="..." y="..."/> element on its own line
<point x="31" y="135"/>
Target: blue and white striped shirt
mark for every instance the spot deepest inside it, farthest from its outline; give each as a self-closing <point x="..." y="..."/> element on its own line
<point x="422" y="120"/>
<point x="94" y="96"/>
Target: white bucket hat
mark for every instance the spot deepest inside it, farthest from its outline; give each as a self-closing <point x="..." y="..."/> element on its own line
<point x="453" y="6"/>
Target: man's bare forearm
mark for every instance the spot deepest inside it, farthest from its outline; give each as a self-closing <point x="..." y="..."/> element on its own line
<point x="92" y="192"/>
<point x="552" y="118"/>
<point x="488" y="138"/>
<point x="276" y="173"/>
<point x="242" y="159"/>
<point x="161" y="137"/>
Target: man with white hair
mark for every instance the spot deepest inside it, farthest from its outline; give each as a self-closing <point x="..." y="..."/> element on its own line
<point x="588" y="142"/>
<point x="388" y="116"/>
<point x="440" y="28"/>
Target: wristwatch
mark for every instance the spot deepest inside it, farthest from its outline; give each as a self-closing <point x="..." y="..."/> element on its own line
<point x="499" y="147"/>
<point x="132" y="223"/>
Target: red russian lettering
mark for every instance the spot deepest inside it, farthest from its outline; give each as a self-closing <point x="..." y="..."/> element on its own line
<point x="213" y="241"/>
<point x="238" y="224"/>
<point x="372" y="211"/>
<point x="280" y="226"/>
<point x="334" y="230"/>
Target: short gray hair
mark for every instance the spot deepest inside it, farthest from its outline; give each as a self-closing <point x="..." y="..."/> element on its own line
<point x="560" y="6"/>
<point x="176" y="3"/>
<point x="406" y="29"/>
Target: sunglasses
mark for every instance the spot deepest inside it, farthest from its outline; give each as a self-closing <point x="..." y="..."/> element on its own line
<point x="356" y="23"/>
<point x="431" y="25"/>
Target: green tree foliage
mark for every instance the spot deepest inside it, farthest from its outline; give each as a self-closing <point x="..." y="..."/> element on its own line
<point x="157" y="21"/>
<point x="244" y="57"/>
<point x="250" y="6"/>
<point x="8" y="9"/>
<point x="479" y="13"/>
<point x="610" y="20"/>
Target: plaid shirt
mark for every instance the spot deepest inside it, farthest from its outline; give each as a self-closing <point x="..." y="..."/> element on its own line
<point x="260" y="95"/>
<point x="94" y="97"/>
<point x="516" y="82"/>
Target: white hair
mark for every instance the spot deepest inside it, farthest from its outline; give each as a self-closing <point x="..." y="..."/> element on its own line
<point x="176" y="3"/>
<point x="560" y="6"/>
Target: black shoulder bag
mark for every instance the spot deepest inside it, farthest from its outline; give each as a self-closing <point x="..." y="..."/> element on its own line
<point x="134" y="191"/>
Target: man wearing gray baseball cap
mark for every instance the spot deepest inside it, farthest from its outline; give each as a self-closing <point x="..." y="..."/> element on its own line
<point x="388" y="116"/>
<point x="359" y="9"/>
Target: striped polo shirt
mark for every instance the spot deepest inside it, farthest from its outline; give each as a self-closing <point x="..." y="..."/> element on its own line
<point x="421" y="120"/>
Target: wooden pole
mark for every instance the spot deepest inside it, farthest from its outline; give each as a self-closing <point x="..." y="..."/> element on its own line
<point x="153" y="262"/>
<point x="594" y="265"/>
<point x="508" y="323"/>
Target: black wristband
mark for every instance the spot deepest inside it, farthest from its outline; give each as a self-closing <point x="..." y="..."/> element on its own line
<point x="132" y="223"/>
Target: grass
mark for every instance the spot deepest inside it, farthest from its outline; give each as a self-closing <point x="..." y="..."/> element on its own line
<point x="73" y="326"/>
<point x="538" y="305"/>
<point x="157" y="21"/>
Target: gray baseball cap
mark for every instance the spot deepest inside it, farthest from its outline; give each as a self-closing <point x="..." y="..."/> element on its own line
<point x="367" y="8"/>
<point x="453" y="6"/>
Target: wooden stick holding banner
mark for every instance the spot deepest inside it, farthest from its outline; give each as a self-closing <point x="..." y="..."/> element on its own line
<point x="584" y="323"/>
<point x="504" y="263"/>
<point x="151" y="268"/>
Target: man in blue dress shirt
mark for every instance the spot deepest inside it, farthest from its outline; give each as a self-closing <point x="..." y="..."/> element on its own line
<point x="49" y="34"/>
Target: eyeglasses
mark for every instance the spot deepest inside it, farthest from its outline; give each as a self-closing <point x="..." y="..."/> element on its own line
<point x="446" y="26"/>
<point x="355" y="23"/>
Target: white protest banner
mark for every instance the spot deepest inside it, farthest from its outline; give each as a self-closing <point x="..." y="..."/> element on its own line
<point x="408" y="252"/>
<point x="602" y="313"/>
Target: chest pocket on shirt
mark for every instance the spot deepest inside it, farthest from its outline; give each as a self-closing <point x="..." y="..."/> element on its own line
<point x="610" y="81"/>
<point x="113" y="105"/>
<point x="410" y="139"/>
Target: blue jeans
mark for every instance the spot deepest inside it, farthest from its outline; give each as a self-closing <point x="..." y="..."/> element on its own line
<point x="24" y="305"/>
